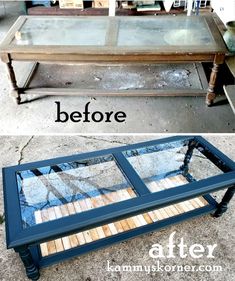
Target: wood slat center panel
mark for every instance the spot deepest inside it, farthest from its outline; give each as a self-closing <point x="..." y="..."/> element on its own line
<point x="88" y="236"/>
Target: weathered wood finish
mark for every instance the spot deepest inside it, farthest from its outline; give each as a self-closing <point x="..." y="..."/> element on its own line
<point x="121" y="93"/>
<point x="111" y="53"/>
<point x="88" y="236"/>
<point x="210" y="97"/>
<point x="12" y="79"/>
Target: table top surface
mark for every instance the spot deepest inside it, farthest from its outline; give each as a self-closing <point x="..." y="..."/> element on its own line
<point x="110" y="35"/>
<point x="106" y="176"/>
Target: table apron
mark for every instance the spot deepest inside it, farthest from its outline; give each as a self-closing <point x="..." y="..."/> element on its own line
<point x="85" y="58"/>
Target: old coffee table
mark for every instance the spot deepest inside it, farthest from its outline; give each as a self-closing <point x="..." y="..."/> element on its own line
<point x="64" y="207"/>
<point x="165" y="39"/>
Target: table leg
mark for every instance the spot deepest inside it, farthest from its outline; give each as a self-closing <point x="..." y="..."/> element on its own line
<point x="188" y="156"/>
<point x="223" y="205"/>
<point x="31" y="269"/>
<point x="210" y="97"/>
<point x="15" y="90"/>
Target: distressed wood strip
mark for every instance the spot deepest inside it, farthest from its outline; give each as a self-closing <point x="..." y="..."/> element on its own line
<point x="203" y="201"/>
<point x="77" y="207"/>
<point x="89" y="203"/>
<point x="153" y="215"/>
<point x="100" y="232"/>
<point x="80" y="238"/>
<point x="131" y="222"/>
<point x="119" y="226"/>
<point x="58" y="242"/>
<point x="79" y="235"/>
<point x="43" y="246"/>
<point x="200" y="201"/>
<point x="44" y="215"/>
<point x="98" y="202"/>
<point x="82" y="205"/>
<point x="163" y="212"/>
<point x="181" y="180"/>
<point x="59" y="245"/>
<point x="164" y="185"/>
<point x="138" y="219"/>
<point x="184" y="205"/>
<point x="51" y="247"/>
<point x="131" y="192"/>
<point x="87" y="236"/>
<point x="159" y="215"/>
<point x="93" y="232"/>
<point x="107" y="198"/>
<point x="74" y="242"/>
<point x="113" y="228"/>
<point x="175" y="207"/>
<point x="124" y="225"/>
<point x="63" y="210"/>
<point x="148" y="218"/>
<point x="124" y="195"/>
<point x="172" y="182"/>
<point x="150" y="186"/>
<point x="194" y="203"/>
<point x="71" y="208"/>
<point x="160" y="186"/>
<point x="57" y="214"/>
<point x="106" y="230"/>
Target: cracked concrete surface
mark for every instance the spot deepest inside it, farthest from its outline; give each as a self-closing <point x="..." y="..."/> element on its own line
<point x="23" y="148"/>
<point x="93" y="266"/>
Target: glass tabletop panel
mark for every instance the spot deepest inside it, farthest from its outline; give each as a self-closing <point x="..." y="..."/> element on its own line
<point x="52" y="192"/>
<point x="170" y="165"/>
<point x="61" y="31"/>
<point x="159" y="31"/>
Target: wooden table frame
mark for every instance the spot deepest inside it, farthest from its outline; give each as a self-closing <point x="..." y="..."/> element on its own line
<point x="110" y="53"/>
<point x="26" y="241"/>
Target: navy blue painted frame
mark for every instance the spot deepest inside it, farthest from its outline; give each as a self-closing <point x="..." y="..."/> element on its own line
<point x="17" y="237"/>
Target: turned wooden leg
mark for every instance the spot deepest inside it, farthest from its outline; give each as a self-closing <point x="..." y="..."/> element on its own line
<point x="188" y="156"/>
<point x="211" y="89"/>
<point x="223" y="205"/>
<point x="15" y="90"/>
<point x="30" y="268"/>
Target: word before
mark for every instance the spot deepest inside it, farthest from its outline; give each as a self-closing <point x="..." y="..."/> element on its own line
<point x="86" y="116"/>
<point x="195" y="251"/>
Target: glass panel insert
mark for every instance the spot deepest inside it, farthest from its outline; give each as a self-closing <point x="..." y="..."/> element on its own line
<point x="61" y="31"/>
<point x="172" y="164"/>
<point x="175" y="31"/>
<point x="69" y="188"/>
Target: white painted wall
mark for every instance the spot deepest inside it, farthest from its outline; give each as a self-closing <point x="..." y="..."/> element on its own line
<point x="225" y="9"/>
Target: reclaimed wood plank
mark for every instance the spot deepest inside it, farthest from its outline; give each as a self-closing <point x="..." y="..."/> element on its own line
<point x="43" y="246"/>
<point x="98" y="202"/>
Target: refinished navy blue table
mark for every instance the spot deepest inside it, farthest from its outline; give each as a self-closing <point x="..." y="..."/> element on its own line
<point x="64" y="207"/>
